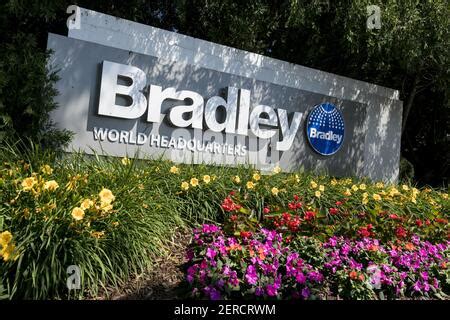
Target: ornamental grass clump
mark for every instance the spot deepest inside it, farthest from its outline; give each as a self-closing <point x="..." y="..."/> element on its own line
<point x="95" y="214"/>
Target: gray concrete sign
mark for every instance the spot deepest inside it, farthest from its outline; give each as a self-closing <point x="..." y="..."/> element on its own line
<point x="128" y="89"/>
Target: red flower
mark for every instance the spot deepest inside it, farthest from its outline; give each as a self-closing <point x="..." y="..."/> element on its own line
<point x="295" y="197"/>
<point x="353" y="275"/>
<point x="266" y="210"/>
<point x="366" y="231"/>
<point x="232" y="193"/>
<point x="233" y="217"/>
<point x="309" y="215"/>
<point x="440" y="220"/>
<point x="419" y="222"/>
<point x="333" y="211"/>
<point x="427" y="222"/>
<point x="228" y="205"/>
<point x="338" y="203"/>
<point x="286" y="216"/>
<point x="394" y="216"/>
<point x="400" y="232"/>
<point x="293" y="224"/>
<point x="246" y="234"/>
<point x="292" y="206"/>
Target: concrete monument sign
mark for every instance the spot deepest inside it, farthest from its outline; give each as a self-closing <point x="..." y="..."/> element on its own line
<point x="128" y="88"/>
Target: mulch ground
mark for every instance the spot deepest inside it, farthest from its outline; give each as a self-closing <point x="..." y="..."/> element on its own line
<point x="165" y="281"/>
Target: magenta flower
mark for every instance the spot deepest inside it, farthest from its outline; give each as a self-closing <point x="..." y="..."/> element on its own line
<point x="306" y="293"/>
<point x="210" y="253"/>
<point x="271" y="290"/>
<point x="251" y="276"/>
<point x="301" y="278"/>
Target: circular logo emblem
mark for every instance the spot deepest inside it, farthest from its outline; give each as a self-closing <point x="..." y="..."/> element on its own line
<point x="325" y="129"/>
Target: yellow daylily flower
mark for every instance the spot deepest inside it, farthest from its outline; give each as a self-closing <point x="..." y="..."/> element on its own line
<point x="184" y="185"/>
<point x="51" y="185"/>
<point x="78" y="213"/>
<point x="106" y="196"/>
<point x="376" y="197"/>
<point x="250" y="185"/>
<point x="7" y="251"/>
<point x="46" y="169"/>
<point x="194" y="182"/>
<point x="28" y="183"/>
<point x="275" y="191"/>
<point x="256" y="176"/>
<point x="5" y="238"/>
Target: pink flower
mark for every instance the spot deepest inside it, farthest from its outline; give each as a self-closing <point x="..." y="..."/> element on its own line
<point x="306" y="293"/>
<point x="271" y="290"/>
<point x="210" y="228"/>
<point x="251" y="275"/>
<point x="300" y="277"/>
<point x="210" y="253"/>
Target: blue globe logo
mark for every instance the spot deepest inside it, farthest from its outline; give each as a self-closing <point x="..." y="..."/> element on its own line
<point x="325" y="129"/>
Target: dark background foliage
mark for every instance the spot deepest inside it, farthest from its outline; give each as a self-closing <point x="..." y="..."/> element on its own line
<point x="409" y="53"/>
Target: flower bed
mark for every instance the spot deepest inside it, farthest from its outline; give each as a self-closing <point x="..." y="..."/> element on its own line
<point x="258" y="265"/>
<point x="328" y="239"/>
<point x="262" y="264"/>
<point x="111" y="217"/>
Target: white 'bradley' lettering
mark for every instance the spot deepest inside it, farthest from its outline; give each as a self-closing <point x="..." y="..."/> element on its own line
<point x="192" y="112"/>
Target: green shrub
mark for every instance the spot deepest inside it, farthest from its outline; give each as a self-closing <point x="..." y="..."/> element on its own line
<point x="27" y="94"/>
